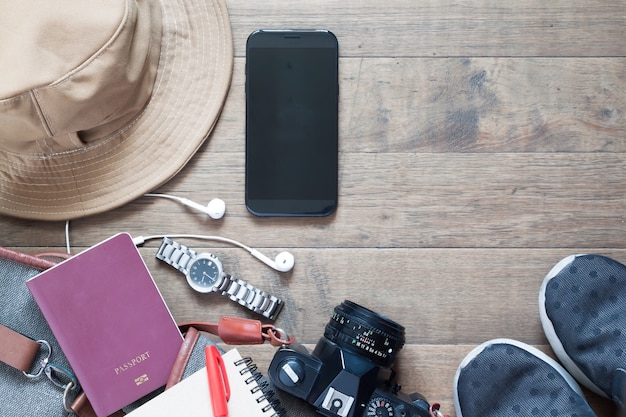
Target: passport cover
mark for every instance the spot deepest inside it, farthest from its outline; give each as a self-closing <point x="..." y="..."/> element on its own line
<point x="110" y="321"/>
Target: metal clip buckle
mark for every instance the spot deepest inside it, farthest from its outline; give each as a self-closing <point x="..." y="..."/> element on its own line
<point x="43" y="362"/>
<point x="276" y="336"/>
<point x="52" y="372"/>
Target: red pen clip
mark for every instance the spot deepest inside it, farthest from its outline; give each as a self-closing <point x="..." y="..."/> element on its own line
<point x="219" y="387"/>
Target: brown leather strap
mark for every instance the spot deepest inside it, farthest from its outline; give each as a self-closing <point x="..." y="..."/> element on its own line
<point x="17" y="350"/>
<point x="232" y="331"/>
<point x="182" y="359"/>
<point x="241" y="331"/>
<point x="24" y="259"/>
<point x="82" y="407"/>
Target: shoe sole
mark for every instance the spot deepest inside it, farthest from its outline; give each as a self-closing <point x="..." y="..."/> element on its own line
<point x="551" y="335"/>
<point x="530" y="349"/>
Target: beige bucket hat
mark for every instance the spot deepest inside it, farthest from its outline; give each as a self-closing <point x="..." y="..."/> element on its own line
<point x="102" y="101"/>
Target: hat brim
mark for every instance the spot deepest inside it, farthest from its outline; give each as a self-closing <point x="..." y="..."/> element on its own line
<point x="191" y="85"/>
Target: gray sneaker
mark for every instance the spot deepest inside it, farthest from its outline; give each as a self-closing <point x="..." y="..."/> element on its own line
<point x="504" y="377"/>
<point x="582" y="303"/>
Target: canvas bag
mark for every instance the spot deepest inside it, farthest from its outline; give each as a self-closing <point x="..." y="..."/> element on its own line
<point x="35" y="395"/>
<point x="50" y="389"/>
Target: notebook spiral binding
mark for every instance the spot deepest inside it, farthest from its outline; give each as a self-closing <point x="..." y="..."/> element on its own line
<point x="262" y="387"/>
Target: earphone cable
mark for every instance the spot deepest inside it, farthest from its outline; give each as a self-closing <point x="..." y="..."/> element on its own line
<point x="67" y="237"/>
<point x="167" y="196"/>
<point x="139" y="240"/>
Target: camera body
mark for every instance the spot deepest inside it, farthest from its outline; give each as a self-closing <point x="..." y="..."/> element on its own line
<point x="349" y="373"/>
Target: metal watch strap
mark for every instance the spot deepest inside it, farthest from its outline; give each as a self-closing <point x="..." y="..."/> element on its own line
<point x="251" y="297"/>
<point x="181" y="257"/>
<point x="177" y="255"/>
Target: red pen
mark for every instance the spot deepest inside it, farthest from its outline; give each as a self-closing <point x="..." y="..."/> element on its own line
<point x="218" y="381"/>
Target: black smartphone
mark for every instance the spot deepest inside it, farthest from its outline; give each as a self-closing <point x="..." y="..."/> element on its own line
<point x="292" y="95"/>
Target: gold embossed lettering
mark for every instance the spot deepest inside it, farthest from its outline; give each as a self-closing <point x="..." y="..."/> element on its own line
<point x="140" y="380"/>
<point x="132" y="362"/>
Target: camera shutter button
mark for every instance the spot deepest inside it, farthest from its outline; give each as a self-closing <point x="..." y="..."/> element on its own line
<point x="291" y="372"/>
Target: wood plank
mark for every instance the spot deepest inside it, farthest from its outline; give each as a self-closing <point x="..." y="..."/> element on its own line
<point x="466" y="105"/>
<point x="446" y="28"/>
<point x="394" y="200"/>
<point x="455" y="186"/>
<point x="441" y="296"/>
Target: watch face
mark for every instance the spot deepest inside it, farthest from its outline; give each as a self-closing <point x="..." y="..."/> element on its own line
<point x="204" y="274"/>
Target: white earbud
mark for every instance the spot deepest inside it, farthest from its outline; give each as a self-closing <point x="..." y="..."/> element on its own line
<point x="215" y="209"/>
<point x="284" y="261"/>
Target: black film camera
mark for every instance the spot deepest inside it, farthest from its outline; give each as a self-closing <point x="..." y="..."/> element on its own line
<point x="349" y="372"/>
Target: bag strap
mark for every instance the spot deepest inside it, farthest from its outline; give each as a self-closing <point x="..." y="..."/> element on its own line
<point x="26" y="260"/>
<point x="17" y="350"/>
<point x="232" y="331"/>
<point x="82" y="407"/>
<point x="182" y="359"/>
<point x="241" y="331"/>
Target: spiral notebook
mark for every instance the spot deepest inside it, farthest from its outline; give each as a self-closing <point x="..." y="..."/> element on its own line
<point x="250" y="395"/>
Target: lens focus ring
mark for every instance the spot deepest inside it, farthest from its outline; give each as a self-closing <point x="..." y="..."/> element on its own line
<point x="365" y="333"/>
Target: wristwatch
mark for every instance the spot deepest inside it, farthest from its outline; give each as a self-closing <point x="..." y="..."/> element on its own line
<point x="205" y="274"/>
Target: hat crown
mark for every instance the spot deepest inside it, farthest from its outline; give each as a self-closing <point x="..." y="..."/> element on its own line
<point x="102" y="101"/>
<point x="80" y="71"/>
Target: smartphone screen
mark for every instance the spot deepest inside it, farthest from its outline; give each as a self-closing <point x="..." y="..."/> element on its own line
<point x="292" y="95"/>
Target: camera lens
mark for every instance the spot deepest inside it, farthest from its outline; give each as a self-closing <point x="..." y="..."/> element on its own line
<point x="365" y="333"/>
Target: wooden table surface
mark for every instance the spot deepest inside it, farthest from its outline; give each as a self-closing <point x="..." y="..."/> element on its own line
<point x="481" y="141"/>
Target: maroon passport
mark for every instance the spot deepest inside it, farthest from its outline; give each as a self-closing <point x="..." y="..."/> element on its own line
<point x="110" y="321"/>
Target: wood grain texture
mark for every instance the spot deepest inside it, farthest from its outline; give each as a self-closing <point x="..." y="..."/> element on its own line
<point x="447" y="27"/>
<point x="481" y="141"/>
<point x="399" y="105"/>
<point x="487" y="200"/>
